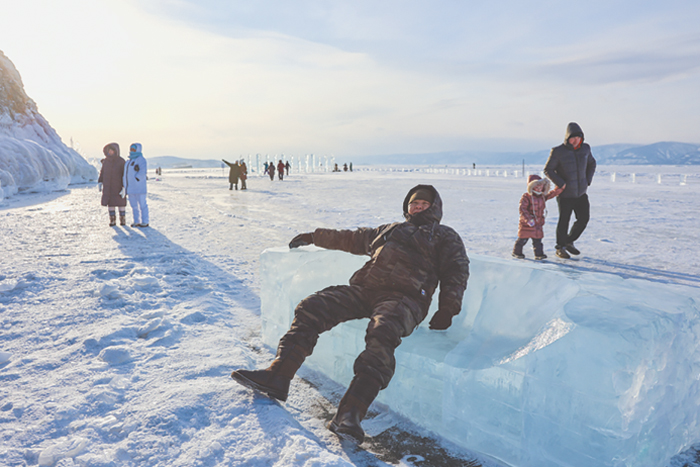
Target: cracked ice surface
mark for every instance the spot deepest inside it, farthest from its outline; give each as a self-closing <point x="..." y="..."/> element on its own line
<point x="544" y="366"/>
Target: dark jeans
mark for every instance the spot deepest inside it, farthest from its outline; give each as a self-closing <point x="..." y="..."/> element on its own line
<point x="581" y="209"/>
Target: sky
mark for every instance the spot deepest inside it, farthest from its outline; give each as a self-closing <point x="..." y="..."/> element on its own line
<point x="215" y="78"/>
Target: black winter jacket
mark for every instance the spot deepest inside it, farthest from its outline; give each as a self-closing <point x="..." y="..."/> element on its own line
<point x="409" y="257"/>
<point x="573" y="167"/>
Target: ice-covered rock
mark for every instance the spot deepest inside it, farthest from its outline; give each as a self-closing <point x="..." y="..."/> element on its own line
<point x="543" y="367"/>
<point x="32" y="155"/>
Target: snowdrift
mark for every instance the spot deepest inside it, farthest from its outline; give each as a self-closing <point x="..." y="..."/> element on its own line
<point x="32" y="155"/>
<point x="544" y="366"/>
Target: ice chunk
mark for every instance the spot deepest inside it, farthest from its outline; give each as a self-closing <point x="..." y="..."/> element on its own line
<point x="543" y="366"/>
<point x="5" y="356"/>
<point x="64" y="449"/>
<point x="115" y="355"/>
<point x="109" y="291"/>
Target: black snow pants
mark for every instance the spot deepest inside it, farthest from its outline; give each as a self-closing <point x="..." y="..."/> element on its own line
<point x="582" y="209"/>
<point x="392" y="316"/>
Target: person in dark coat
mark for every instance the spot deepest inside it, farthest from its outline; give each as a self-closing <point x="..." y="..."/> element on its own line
<point x="393" y="289"/>
<point x="271" y="171"/>
<point x="243" y="169"/>
<point x="234" y="174"/>
<point x="280" y="170"/>
<point x="532" y="214"/>
<point x="571" y="166"/>
<point x="111" y="184"/>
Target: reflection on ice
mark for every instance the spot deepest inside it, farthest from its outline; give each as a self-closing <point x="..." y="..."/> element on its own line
<point x="541" y="368"/>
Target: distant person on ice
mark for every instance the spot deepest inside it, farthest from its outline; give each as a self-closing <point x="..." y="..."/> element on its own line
<point x="244" y="174"/>
<point x="234" y="173"/>
<point x="111" y="180"/>
<point x="134" y="180"/>
<point x="532" y="214"/>
<point x="572" y="165"/>
<point x="280" y="170"/>
<point x="393" y="289"/>
<point x="271" y="171"/>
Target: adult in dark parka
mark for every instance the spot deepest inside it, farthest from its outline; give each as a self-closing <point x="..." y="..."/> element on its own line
<point x="111" y="176"/>
<point x="571" y="166"/>
<point x="393" y="289"/>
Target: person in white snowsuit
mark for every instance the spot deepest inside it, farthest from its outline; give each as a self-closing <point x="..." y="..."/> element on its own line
<point x="135" y="191"/>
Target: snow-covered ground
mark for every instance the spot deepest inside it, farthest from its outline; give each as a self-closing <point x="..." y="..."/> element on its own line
<point x="116" y="344"/>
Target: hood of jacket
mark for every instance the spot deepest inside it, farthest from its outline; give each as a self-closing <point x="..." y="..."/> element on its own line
<point x="573" y="129"/>
<point x="535" y="182"/>
<point x="430" y="215"/>
<point x="114" y="146"/>
<point x="135" y="151"/>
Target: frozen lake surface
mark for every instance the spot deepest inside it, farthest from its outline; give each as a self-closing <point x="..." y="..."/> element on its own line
<point x="117" y="343"/>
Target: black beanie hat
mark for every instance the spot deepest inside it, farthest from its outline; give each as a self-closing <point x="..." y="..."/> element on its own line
<point x="423" y="194"/>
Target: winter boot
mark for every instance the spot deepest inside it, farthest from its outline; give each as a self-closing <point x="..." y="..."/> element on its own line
<point x="538" y="247"/>
<point x="112" y="220"/>
<point x="539" y="251"/>
<point x="518" y="249"/>
<point x="274" y="381"/>
<point x="122" y="219"/>
<point x="353" y="408"/>
<point x="561" y="252"/>
<point x="572" y="249"/>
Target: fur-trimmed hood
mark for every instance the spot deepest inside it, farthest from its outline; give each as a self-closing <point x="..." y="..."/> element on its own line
<point x="535" y="181"/>
<point x="113" y="146"/>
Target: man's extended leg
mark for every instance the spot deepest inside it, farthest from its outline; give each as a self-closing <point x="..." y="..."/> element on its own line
<point x="315" y="314"/>
<point x="392" y="320"/>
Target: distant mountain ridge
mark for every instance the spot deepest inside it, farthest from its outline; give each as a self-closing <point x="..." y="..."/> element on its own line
<point x="173" y="162"/>
<point x="662" y="153"/>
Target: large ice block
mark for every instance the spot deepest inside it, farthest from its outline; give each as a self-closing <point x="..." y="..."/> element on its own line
<point x="544" y="366"/>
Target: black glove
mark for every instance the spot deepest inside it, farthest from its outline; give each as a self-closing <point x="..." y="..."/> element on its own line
<point x="301" y="240"/>
<point x="137" y="168"/>
<point x="441" y="320"/>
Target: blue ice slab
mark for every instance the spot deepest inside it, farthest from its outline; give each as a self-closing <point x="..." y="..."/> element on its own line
<point x="544" y="366"/>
